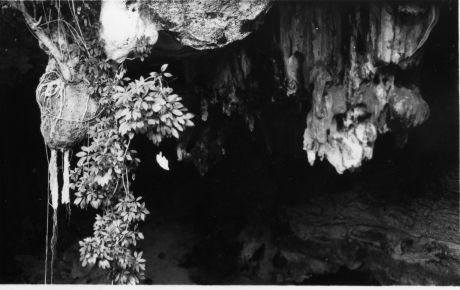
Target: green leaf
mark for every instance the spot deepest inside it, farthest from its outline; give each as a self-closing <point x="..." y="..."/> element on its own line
<point x="164" y="67"/>
<point x="189" y="116"/>
<point x="77" y="201"/>
<point x="119" y="89"/>
<point x="81" y="161"/>
<point x="156" y="107"/>
<point x="175" y="133"/>
<point x="172" y="98"/>
<point x="152" y="121"/>
<point x="136" y="115"/>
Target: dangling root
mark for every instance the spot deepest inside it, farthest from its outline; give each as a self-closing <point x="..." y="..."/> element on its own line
<point x="54" y="187"/>
<point x="65" y="198"/>
<point x="53" y="243"/>
<point x="47" y="220"/>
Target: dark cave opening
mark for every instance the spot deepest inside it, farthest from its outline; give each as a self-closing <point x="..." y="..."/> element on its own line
<point x="249" y="185"/>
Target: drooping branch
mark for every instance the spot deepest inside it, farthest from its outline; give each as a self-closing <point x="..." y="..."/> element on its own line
<point x="43" y="38"/>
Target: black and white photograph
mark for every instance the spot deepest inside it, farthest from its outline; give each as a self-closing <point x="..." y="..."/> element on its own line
<point x="229" y="142"/>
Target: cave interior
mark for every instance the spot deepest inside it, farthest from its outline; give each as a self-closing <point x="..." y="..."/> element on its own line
<point x="257" y="213"/>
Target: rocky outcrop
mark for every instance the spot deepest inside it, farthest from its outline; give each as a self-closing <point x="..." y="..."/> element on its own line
<point x="194" y="23"/>
<point x="350" y="55"/>
<point x="345" y="65"/>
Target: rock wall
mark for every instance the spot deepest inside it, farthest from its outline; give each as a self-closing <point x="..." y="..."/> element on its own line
<point x="354" y="95"/>
<point x="194" y="23"/>
<point x="345" y="66"/>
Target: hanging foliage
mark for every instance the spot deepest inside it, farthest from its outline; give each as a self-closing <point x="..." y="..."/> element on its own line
<point x="102" y="177"/>
<point x="81" y="95"/>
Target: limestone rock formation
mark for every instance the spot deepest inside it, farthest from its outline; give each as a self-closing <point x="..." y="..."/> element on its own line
<point x="123" y="28"/>
<point x="194" y="23"/>
<point x="353" y="88"/>
<point x="345" y="59"/>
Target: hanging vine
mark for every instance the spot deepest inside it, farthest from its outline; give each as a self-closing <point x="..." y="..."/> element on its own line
<point x="103" y="175"/>
<point x="82" y="78"/>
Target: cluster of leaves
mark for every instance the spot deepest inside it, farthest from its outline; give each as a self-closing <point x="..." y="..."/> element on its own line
<point x="104" y="171"/>
<point x="91" y="64"/>
<point x="99" y="176"/>
<point x="142" y="48"/>
<point x="148" y="106"/>
<point x="114" y="233"/>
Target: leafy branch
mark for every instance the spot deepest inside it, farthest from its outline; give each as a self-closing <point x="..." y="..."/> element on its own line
<point x="102" y="176"/>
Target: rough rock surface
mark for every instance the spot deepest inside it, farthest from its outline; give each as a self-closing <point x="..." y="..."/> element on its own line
<point x="399" y="239"/>
<point x="345" y="59"/>
<point x="122" y="28"/>
<point x="195" y="23"/>
<point x="377" y="36"/>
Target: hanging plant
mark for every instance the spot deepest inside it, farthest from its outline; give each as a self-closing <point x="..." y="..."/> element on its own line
<point x="82" y="95"/>
<point x="103" y="175"/>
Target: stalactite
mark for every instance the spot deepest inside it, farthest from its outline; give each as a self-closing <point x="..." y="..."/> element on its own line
<point x="369" y="79"/>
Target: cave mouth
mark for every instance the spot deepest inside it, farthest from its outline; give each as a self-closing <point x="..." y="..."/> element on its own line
<point x="233" y="224"/>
